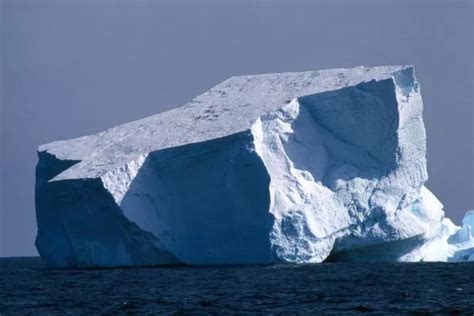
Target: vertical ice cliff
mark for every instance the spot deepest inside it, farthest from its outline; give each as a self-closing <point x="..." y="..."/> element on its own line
<point x="291" y="167"/>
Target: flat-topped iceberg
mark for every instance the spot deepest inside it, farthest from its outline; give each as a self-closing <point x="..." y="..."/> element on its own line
<point x="290" y="167"/>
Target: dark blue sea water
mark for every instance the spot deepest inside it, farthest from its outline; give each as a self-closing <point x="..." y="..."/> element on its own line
<point x="27" y="287"/>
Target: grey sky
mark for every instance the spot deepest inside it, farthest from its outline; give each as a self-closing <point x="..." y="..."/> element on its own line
<point x="75" y="68"/>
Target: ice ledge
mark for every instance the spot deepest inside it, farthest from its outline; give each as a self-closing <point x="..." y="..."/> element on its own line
<point x="228" y="108"/>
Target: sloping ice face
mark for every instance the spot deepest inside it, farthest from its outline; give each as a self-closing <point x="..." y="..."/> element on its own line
<point x="298" y="167"/>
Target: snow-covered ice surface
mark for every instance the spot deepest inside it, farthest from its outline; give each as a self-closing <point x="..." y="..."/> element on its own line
<point x="290" y="167"/>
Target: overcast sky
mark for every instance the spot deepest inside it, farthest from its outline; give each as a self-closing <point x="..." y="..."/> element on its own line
<point x="71" y="68"/>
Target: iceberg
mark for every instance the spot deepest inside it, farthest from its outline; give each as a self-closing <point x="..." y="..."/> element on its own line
<point x="314" y="166"/>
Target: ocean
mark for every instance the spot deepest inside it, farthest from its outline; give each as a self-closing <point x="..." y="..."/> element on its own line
<point x="28" y="287"/>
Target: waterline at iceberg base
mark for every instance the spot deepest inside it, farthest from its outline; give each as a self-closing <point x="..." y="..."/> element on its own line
<point x="313" y="166"/>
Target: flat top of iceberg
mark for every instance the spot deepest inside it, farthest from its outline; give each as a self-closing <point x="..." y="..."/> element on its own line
<point x="228" y="108"/>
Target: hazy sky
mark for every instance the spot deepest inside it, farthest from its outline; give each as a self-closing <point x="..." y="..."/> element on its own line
<point x="70" y="68"/>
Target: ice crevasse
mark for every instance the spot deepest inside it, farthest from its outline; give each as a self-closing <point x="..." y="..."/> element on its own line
<point x="314" y="166"/>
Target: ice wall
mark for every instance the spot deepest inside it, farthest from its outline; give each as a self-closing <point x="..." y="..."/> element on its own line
<point x="297" y="167"/>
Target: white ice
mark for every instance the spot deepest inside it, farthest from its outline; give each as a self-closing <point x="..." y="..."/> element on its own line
<point x="293" y="167"/>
